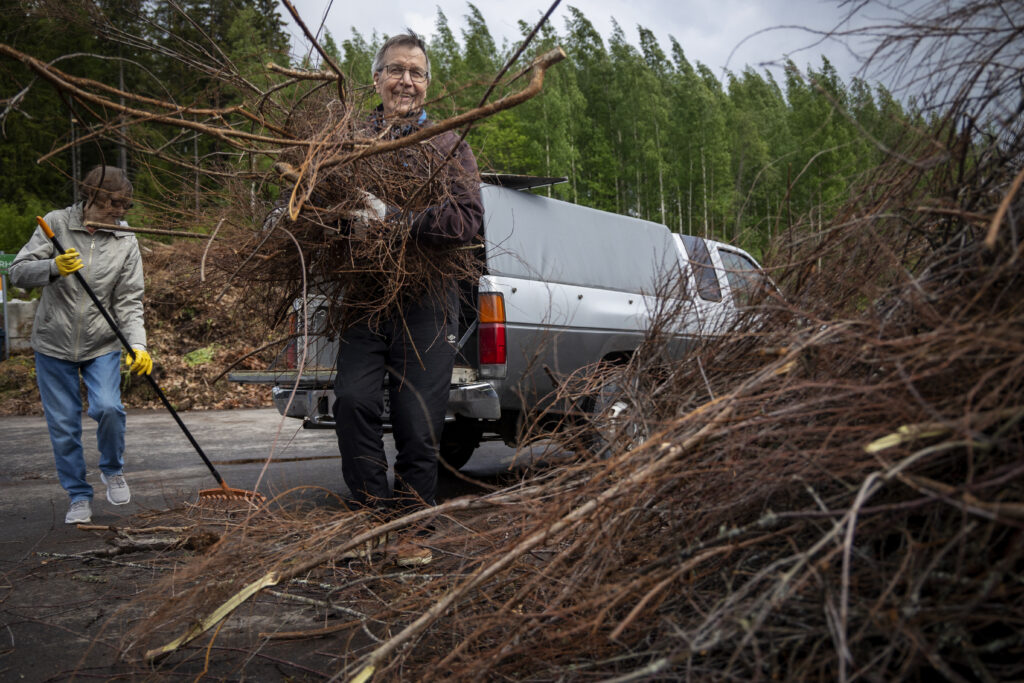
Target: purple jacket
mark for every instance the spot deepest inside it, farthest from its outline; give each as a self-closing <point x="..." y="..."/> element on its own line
<point x="456" y="220"/>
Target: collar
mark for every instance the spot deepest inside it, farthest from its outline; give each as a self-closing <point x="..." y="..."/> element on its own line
<point x="403" y="126"/>
<point x="77" y="222"/>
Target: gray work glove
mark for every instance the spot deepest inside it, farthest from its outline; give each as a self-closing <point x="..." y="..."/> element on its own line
<point x="360" y="219"/>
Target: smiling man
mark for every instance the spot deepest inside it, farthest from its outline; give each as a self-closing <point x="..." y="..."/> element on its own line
<point x="401" y="75"/>
<point x="416" y="343"/>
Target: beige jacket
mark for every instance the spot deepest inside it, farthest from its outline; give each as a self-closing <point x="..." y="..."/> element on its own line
<point x="67" y="324"/>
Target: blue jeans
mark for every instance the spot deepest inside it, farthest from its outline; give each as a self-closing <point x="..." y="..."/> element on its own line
<point x="62" y="402"/>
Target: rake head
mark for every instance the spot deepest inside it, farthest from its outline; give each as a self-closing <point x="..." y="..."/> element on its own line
<point x="225" y="492"/>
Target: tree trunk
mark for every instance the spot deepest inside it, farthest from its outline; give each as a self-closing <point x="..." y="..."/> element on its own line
<point x="704" y="185"/>
<point x="679" y="208"/>
<point x="739" y="194"/>
<point x="547" y="143"/>
<point x="689" y="196"/>
<point x="636" y="146"/>
<point x="661" y="172"/>
<point x="618" y="200"/>
<point x="123" y="144"/>
<point x="572" y="173"/>
<point x="76" y="171"/>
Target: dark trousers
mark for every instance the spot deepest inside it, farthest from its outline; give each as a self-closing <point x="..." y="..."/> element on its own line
<point x="416" y="348"/>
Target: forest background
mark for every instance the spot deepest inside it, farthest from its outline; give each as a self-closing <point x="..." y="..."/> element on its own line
<point x="635" y="130"/>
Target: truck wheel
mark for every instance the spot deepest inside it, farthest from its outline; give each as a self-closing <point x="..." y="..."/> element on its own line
<point x="612" y="420"/>
<point x="459" y="439"/>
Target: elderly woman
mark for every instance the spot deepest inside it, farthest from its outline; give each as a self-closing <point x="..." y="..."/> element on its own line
<point x="72" y="341"/>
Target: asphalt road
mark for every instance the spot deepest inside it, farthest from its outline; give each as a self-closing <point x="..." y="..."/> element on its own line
<point x="55" y="602"/>
<point x="163" y="469"/>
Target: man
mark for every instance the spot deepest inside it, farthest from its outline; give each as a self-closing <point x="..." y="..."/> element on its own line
<point x="72" y="341"/>
<point x="415" y="345"/>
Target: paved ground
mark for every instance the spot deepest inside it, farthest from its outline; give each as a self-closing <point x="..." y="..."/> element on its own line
<point x="54" y="600"/>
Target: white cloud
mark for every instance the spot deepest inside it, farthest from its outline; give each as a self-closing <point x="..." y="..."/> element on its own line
<point x="419" y="22"/>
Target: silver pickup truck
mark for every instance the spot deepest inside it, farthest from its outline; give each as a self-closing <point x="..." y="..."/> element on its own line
<point x="564" y="286"/>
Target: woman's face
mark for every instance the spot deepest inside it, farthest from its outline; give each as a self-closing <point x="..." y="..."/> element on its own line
<point x="108" y="207"/>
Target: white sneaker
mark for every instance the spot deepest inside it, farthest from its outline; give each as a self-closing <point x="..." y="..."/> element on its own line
<point x="80" y="512"/>
<point x="117" y="489"/>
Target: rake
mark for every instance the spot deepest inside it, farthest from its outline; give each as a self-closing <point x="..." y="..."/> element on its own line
<point x="225" y="492"/>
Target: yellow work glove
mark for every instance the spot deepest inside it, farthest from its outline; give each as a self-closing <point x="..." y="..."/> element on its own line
<point x="69" y="262"/>
<point x="142" y="365"/>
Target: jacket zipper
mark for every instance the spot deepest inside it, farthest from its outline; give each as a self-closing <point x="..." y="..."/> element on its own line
<point x="79" y="314"/>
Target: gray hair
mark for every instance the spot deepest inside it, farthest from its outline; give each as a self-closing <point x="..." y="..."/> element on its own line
<point x="409" y="38"/>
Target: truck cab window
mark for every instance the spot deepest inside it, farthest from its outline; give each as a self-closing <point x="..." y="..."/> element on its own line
<point x="745" y="278"/>
<point x="703" y="269"/>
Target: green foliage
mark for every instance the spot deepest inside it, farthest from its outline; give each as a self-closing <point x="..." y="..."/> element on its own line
<point x="734" y="156"/>
<point x="39" y="121"/>
<point x="358" y="55"/>
<point x="201" y="356"/>
<point x="480" y="56"/>
<point x="18" y="221"/>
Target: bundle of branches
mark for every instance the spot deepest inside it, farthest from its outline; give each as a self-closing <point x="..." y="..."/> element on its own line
<point x="345" y="228"/>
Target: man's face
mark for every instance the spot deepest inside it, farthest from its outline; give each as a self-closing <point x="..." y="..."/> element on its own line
<point x="108" y="208"/>
<point x="395" y="83"/>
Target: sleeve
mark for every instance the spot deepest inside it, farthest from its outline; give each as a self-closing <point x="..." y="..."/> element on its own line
<point x="34" y="265"/>
<point x="127" y="298"/>
<point x="459" y="218"/>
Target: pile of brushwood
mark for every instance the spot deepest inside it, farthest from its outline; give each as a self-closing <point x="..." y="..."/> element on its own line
<point x="354" y="186"/>
<point x="835" y="490"/>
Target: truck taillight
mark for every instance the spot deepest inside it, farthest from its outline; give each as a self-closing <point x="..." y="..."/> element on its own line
<point x="491" y="332"/>
<point x="290" y="360"/>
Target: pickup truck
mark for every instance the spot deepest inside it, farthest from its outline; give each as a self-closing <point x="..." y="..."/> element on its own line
<point x="564" y="286"/>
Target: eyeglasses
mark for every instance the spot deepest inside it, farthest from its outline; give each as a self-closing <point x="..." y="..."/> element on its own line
<point x="397" y="71"/>
<point x="124" y="203"/>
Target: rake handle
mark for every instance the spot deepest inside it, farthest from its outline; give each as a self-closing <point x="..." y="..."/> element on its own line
<point x="131" y="352"/>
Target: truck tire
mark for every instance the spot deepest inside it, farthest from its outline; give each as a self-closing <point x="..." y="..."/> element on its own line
<point x="611" y="419"/>
<point x="459" y="439"/>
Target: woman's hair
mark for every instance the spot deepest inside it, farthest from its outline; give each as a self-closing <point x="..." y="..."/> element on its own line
<point x="108" y="179"/>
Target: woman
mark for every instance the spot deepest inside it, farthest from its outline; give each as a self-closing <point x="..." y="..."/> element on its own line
<point x="71" y="339"/>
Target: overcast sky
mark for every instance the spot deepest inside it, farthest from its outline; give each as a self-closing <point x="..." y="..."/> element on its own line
<point x="708" y="31"/>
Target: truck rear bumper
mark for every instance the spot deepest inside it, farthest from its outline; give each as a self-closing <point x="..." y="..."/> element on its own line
<point x="302" y="402"/>
<point x="476" y="400"/>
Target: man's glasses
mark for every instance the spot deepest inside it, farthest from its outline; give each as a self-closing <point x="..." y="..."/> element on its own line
<point x="396" y="72"/>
